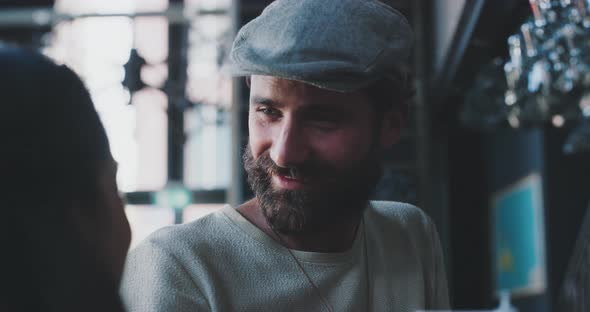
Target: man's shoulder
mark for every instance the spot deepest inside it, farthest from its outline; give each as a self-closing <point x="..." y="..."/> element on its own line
<point x="169" y="269"/>
<point x="398" y="214"/>
<point x="397" y="210"/>
<point x="178" y="237"/>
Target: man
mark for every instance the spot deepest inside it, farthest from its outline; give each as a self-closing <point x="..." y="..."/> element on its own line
<point x="327" y="94"/>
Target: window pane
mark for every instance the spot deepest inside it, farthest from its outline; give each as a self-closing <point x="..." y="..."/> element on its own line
<point x="151" y="138"/>
<point x="207" y="4"/>
<point x="144" y="220"/>
<point x="208" y="148"/>
<point x="195" y="212"/>
<point x="105" y="7"/>
<point x="96" y="49"/>
<point x="209" y="43"/>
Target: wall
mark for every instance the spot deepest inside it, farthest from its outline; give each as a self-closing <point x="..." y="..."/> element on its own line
<point x="446" y="14"/>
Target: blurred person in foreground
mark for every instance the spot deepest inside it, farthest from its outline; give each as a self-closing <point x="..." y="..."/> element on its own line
<point x="64" y="232"/>
<point x="328" y="93"/>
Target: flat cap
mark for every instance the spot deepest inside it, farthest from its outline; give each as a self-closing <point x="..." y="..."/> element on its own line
<point x="339" y="45"/>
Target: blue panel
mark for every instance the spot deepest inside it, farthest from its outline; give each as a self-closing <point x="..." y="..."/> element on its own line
<point x="519" y="254"/>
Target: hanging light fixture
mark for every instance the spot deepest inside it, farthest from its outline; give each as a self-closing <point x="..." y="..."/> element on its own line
<point x="547" y="75"/>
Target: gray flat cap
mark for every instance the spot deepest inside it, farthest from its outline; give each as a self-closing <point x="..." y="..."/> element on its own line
<point x="340" y="45"/>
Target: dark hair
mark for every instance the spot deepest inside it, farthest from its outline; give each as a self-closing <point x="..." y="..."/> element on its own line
<point x="53" y="148"/>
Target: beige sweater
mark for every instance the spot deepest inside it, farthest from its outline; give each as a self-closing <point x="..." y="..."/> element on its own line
<point x="224" y="263"/>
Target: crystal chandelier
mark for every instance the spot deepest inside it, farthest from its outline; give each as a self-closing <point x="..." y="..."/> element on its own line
<point x="546" y="78"/>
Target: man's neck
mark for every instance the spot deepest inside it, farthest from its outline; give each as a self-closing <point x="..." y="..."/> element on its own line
<point x="336" y="238"/>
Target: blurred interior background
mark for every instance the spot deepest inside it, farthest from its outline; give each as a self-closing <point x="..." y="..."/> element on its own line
<point x="497" y="148"/>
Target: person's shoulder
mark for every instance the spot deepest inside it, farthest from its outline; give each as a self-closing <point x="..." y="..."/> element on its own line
<point x="170" y="263"/>
<point x="399" y="212"/>
<point x="189" y="235"/>
<point x="398" y="215"/>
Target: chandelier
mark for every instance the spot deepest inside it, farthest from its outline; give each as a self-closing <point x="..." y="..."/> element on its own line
<point x="546" y="78"/>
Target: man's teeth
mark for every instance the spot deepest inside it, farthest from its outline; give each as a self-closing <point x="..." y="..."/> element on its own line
<point x="292" y="174"/>
<point x="289" y="176"/>
<point x="299" y="179"/>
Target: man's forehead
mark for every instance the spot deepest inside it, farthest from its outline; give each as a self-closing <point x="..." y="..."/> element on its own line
<point x="268" y="86"/>
<point x="281" y="92"/>
<point x="277" y="84"/>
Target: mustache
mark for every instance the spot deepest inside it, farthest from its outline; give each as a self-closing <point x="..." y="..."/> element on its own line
<point x="308" y="170"/>
<point x="311" y="169"/>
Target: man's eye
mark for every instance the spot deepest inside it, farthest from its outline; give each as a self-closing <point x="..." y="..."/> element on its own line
<point x="268" y="111"/>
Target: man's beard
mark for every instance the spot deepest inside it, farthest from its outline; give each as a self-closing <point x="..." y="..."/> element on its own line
<point x="335" y="196"/>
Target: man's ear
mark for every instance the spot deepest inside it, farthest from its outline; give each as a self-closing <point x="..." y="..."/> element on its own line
<point x="391" y="127"/>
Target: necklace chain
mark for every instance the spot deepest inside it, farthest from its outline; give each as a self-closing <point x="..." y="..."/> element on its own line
<point x="322" y="298"/>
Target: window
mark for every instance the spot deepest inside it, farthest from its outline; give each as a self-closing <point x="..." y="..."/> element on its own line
<point x="97" y="47"/>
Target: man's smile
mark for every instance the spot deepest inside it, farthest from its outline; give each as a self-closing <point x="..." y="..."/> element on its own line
<point x="289" y="182"/>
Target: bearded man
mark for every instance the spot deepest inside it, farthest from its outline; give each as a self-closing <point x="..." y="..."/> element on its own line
<point x="328" y="93"/>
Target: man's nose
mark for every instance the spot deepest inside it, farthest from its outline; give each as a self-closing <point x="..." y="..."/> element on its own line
<point x="290" y="147"/>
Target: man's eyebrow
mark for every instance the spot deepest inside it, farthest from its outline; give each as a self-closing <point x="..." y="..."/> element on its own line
<point x="264" y="101"/>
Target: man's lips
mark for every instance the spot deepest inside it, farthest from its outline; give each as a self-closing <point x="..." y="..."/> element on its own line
<point x="288" y="182"/>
